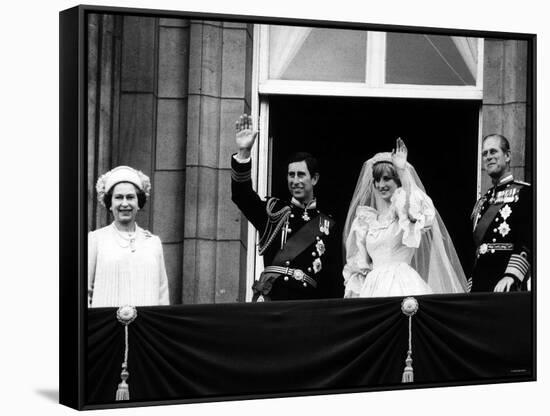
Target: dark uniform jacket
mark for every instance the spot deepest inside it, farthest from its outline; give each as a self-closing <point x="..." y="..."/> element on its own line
<point x="503" y="228"/>
<point x="312" y="269"/>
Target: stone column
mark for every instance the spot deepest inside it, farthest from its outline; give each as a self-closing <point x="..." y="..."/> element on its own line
<point x="170" y="145"/>
<point x="505" y="109"/>
<point x="219" y="91"/>
<point x="103" y="89"/>
<point x="153" y="127"/>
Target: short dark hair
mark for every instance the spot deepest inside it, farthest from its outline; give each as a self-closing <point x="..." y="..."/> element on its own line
<point x="385" y="168"/>
<point x="504" y="143"/>
<point x="311" y="162"/>
<point x="108" y="197"/>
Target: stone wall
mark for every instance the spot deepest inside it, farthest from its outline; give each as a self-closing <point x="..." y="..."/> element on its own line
<point x="163" y="95"/>
<point x="505" y="109"/>
<point x="219" y="81"/>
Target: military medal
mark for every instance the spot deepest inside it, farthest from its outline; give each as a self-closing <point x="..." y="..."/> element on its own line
<point x="504" y="229"/>
<point x="305" y="215"/>
<point x="324" y="226"/>
<point x="506" y="196"/>
<point x="320" y="246"/>
<point x="317" y="265"/>
<point x="505" y="212"/>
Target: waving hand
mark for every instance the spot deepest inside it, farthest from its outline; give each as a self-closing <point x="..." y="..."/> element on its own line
<point x="399" y="154"/>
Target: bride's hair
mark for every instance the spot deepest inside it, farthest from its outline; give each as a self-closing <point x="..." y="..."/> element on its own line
<point x="385" y="168"/>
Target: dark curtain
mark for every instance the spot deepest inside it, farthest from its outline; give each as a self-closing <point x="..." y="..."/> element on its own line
<point x="211" y="351"/>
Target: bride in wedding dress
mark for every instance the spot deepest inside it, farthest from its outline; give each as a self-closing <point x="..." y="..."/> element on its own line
<point x="395" y="241"/>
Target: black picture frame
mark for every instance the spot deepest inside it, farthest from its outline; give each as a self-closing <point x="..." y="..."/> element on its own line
<point x="73" y="192"/>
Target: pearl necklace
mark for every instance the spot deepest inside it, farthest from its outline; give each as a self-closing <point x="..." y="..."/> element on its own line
<point x="130" y="238"/>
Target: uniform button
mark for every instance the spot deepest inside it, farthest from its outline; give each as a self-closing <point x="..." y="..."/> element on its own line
<point x="313" y="253"/>
<point x="309" y="269"/>
<point x="291" y="215"/>
<point x="289" y="230"/>
<point x="496" y="219"/>
<point x="494" y="230"/>
<point x="305" y="284"/>
<point x="492" y="251"/>
<point x="317" y="238"/>
<point x="494" y="239"/>
<point x="286" y="278"/>
<point x="287" y="263"/>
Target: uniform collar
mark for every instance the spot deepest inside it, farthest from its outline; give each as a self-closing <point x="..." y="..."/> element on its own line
<point x="503" y="181"/>
<point x="311" y="205"/>
<point x="508" y="178"/>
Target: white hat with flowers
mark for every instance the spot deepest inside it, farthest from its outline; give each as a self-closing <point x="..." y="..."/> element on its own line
<point x="122" y="174"/>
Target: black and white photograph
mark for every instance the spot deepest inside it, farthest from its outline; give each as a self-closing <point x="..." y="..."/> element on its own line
<point x="294" y="207"/>
<point x="255" y="187"/>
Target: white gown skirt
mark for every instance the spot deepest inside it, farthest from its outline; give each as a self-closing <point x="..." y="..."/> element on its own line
<point x="394" y="279"/>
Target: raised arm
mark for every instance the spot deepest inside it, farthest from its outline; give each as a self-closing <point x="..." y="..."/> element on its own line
<point x="242" y="193"/>
<point x="399" y="160"/>
<point x="245" y="136"/>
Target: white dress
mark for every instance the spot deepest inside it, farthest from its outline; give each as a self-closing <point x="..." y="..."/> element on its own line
<point x="379" y="249"/>
<point x="123" y="274"/>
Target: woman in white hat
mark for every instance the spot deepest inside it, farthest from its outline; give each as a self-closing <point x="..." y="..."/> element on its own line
<point x="125" y="262"/>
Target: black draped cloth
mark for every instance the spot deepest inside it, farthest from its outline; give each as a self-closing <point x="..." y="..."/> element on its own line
<point x="283" y="348"/>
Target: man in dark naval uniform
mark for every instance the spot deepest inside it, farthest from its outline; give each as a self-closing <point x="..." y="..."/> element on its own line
<point x="503" y="226"/>
<point x="297" y="241"/>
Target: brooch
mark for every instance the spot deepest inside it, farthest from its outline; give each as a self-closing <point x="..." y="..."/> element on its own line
<point x="320" y="246"/>
<point x="317" y="265"/>
<point x="505" y="212"/>
<point x="483" y="248"/>
<point x="504" y="229"/>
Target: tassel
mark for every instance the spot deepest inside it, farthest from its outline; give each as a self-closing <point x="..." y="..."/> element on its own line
<point x="408" y="374"/>
<point x="125" y="315"/>
<point x="409" y="307"/>
<point x="123" y="392"/>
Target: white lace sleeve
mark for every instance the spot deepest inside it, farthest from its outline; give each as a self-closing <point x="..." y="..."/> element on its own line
<point x="358" y="262"/>
<point x="421" y="214"/>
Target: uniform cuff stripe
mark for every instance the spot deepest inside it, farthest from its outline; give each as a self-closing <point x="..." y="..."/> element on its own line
<point x="241" y="176"/>
<point x="518" y="266"/>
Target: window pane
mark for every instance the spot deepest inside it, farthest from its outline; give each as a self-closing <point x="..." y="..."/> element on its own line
<point x="430" y="59"/>
<point x="312" y="54"/>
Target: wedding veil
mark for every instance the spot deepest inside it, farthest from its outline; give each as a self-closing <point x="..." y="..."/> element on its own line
<point x="435" y="260"/>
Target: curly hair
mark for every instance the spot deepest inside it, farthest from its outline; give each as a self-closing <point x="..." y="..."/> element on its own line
<point x="141" y="197"/>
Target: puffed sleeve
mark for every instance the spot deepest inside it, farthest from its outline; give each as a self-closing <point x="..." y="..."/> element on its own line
<point x="92" y="257"/>
<point x="420" y="215"/>
<point x="164" y="297"/>
<point x="358" y="262"/>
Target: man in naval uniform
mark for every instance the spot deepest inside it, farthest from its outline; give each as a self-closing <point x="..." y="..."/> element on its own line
<point x="502" y="223"/>
<point x="297" y="241"/>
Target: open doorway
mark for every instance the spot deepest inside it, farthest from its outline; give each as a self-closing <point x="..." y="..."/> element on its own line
<point x="343" y="132"/>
